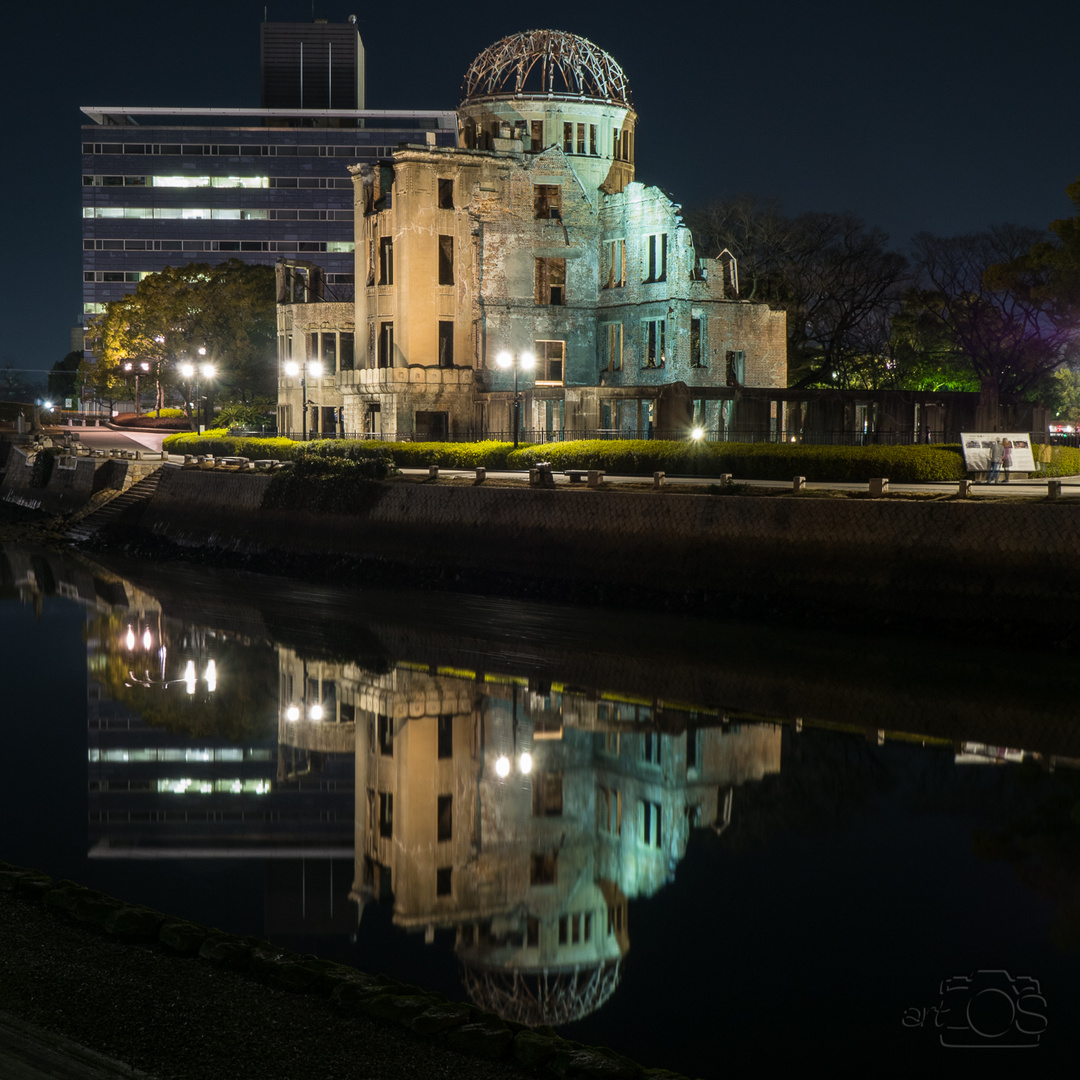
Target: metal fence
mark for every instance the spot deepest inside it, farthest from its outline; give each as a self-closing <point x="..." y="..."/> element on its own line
<point x="729" y="434"/>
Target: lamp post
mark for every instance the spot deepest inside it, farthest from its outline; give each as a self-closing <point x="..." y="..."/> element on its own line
<point x="143" y="367"/>
<point x="190" y="371"/>
<point x="524" y="362"/>
<point x="311" y="367"/>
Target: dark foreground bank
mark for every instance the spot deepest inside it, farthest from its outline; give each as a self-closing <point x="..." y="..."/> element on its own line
<point x="176" y="1001"/>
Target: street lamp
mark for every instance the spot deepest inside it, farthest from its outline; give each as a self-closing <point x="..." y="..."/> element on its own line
<point x="292" y="369"/>
<point x="525" y="362"/>
<point x="190" y="371"/>
<point x="142" y="368"/>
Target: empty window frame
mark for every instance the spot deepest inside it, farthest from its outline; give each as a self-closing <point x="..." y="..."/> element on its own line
<point x="653" y="342"/>
<point x="386" y="260"/>
<point x="446" y="260"/>
<point x="656" y="257"/>
<point x="736" y="367"/>
<point x="568" y="138"/>
<point x="445" y="737"/>
<point x="650" y="824"/>
<point x="650" y="747"/>
<point x="386" y="814"/>
<point x="445" y="818"/>
<point x="346" y="350"/>
<point x="581" y="138"/>
<point x="550" y="361"/>
<point x="616" y="264"/>
<point x="543" y="868"/>
<point x="446" y="193"/>
<point x="386" y="345"/>
<point x="444" y="881"/>
<point x="594" y="149"/>
<point x="609" y="810"/>
<point x="547" y="201"/>
<point x="611" y="346"/>
<point x="551" y="281"/>
<point x="536" y="135"/>
<point x="697" y="340"/>
<point x="384" y="726"/>
<point x="547" y="794"/>
<point x="446" y="343"/>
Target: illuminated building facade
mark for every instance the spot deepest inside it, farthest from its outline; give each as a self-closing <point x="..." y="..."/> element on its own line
<point x="532" y="237"/>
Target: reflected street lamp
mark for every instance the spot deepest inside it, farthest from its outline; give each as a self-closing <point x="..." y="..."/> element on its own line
<point x="312" y="367"/>
<point x="525" y="362"/>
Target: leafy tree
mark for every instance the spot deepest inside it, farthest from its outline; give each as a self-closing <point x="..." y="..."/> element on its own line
<point x="829" y="272"/>
<point x="1063" y="396"/>
<point x="1004" y="333"/>
<point x="226" y="310"/>
<point x="64" y="377"/>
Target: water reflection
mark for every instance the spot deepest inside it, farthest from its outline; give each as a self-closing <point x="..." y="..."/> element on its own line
<point x="512" y="791"/>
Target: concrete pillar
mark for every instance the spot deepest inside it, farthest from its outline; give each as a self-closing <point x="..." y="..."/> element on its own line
<point x="481" y="474"/>
<point x="965" y="488"/>
<point x="798" y="483"/>
<point x="658" y="479"/>
<point x="879" y="485"/>
<point x="725" y="478"/>
<point x="596" y="477"/>
<point x="433" y="472"/>
<point x="1053" y="489"/>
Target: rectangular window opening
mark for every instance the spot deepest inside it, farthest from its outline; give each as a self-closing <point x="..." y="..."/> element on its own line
<point x="446" y="737"/>
<point x="551" y="281"/>
<point x="547" y="795"/>
<point x="445" y="817"/>
<point x="446" y="193"/>
<point x="550" y="361"/>
<point x="386" y="260"/>
<point x="446" y="260"/>
<point x="542" y="868"/>
<point x="444" y="881"/>
<point x="547" y="202"/>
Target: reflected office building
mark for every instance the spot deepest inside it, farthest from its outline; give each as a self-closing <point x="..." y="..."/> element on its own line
<point x="524" y="817"/>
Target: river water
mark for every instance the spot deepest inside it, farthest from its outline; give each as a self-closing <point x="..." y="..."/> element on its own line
<point x="711" y="846"/>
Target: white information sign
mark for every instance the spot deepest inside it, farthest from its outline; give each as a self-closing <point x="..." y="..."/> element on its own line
<point x="1011" y="448"/>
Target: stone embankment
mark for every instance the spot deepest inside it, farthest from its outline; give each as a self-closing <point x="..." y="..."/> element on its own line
<point x="110" y="974"/>
<point x="818" y="557"/>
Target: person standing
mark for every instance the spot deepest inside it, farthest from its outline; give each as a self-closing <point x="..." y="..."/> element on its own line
<point x="994" y="475"/>
<point x="1006" y="458"/>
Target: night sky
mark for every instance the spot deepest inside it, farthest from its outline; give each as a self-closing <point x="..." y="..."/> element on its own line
<point x="917" y="116"/>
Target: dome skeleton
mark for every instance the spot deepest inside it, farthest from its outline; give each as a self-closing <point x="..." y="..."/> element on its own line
<point x="584" y="69"/>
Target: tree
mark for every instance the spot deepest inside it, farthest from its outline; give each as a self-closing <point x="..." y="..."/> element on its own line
<point x="1006" y="332"/>
<point x="64" y="376"/>
<point x="1063" y="397"/>
<point x="829" y="272"/>
<point x="226" y="310"/>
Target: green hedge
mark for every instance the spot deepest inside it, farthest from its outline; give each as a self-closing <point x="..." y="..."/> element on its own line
<point x="745" y="461"/>
<point x="751" y="461"/>
<point x="327" y="486"/>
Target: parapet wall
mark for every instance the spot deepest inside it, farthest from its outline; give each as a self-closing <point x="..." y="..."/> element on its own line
<point x="720" y="552"/>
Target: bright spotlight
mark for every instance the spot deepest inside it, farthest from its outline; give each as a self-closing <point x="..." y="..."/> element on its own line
<point x="187" y="370"/>
<point x="146" y="639"/>
<point x="208" y="371"/>
<point x="292" y="367"/>
<point x="502" y="766"/>
<point x="292" y="713"/>
<point x="504" y="359"/>
<point x="525" y="762"/>
<point x="129" y="641"/>
<point x="315" y="368"/>
<point x="697" y="433"/>
<point x="528" y="361"/>
<point x="316" y="712"/>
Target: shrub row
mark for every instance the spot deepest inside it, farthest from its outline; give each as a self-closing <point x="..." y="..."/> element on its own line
<point x="326" y="485"/>
<point x="752" y="461"/>
<point x="745" y="461"/>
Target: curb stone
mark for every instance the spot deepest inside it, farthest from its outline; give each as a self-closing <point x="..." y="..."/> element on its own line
<point x="458" y="1025"/>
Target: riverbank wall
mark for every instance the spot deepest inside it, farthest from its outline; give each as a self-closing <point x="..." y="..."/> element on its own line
<point x="832" y="558"/>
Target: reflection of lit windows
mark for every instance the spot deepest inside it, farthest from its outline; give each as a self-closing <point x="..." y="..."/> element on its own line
<point x="187" y="786"/>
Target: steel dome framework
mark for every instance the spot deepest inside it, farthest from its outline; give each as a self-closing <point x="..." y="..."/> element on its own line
<point x="557" y="63"/>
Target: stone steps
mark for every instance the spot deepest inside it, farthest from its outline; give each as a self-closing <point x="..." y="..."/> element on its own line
<point x="96" y="518"/>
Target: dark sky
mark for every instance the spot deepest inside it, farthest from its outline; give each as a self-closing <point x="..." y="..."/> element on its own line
<point x="917" y="116"/>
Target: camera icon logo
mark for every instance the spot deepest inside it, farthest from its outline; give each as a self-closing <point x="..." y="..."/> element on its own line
<point x="990" y="1008"/>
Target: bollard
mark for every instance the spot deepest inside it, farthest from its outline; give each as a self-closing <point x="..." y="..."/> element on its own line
<point x="433" y="472"/>
<point x="798" y="483"/>
<point x="481" y="474"/>
<point x="725" y="479"/>
<point x="596" y="477"/>
<point x="658" y="479"/>
<point x="965" y="488"/>
<point x="879" y="485"/>
<point x="1053" y="489"/>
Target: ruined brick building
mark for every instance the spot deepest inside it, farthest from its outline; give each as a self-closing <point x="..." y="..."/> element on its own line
<point x="530" y="237"/>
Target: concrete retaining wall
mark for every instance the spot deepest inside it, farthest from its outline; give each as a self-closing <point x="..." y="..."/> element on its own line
<point x="905" y="556"/>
